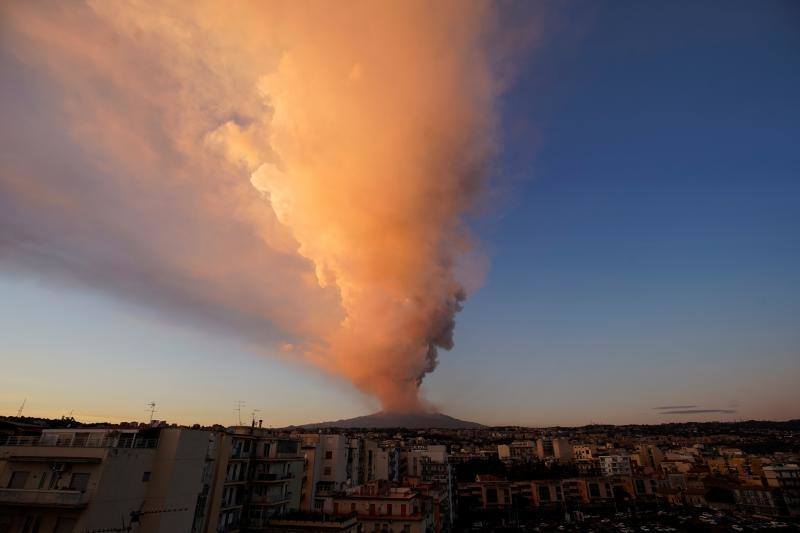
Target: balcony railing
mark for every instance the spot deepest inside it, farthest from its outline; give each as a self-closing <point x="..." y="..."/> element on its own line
<point x="43" y="498"/>
<point x="272" y="477"/>
<point x="80" y="442"/>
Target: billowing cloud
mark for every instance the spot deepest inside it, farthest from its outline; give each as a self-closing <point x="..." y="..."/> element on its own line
<point x="284" y="171"/>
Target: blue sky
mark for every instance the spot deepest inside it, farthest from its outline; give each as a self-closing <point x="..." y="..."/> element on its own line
<point x="644" y="253"/>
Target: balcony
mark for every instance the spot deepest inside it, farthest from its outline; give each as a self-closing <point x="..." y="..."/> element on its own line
<point x="270" y="501"/>
<point x="272" y="478"/>
<point x="44" y="498"/>
<point x="92" y="441"/>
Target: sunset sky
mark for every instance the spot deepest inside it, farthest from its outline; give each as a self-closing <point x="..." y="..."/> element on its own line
<point x="614" y="186"/>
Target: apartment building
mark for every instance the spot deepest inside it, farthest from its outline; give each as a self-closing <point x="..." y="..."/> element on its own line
<point x="517" y="451"/>
<point x="304" y="522"/>
<point x="556" y="448"/>
<point x="383" y="508"/>
<point x="583" y="452"/>
<point x="649" y="455"/>
<point x="544" y="449"/>
<point x="380" y="462"/>
<point x="490" y="492"/>
<point x="615" y="465"/>
<point x="428" y="465"/>
<point x="785" y="478"/>
<point x="69" y="480"/>
<point x="257" y="476"/>
<point x="332" y="463"/>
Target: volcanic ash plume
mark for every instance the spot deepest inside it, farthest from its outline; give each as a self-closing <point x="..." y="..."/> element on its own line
<point x="285" y="171"/>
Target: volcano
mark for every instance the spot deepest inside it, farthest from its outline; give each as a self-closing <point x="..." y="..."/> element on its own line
<point x="384" y="420"/>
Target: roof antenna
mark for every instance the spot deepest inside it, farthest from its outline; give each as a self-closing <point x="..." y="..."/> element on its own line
<point x="152" y="406"/>
<point x="237" y="406"/>
<point x="21" y="407"/>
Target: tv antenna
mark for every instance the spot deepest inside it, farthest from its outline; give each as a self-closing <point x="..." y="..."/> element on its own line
<point x="21" y="407"/>
<point x="237" y="406"/>
<point x="151" y="410"/>
<point x="253" y="415"/>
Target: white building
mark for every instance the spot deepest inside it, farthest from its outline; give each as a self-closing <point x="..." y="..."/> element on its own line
<point x="615" y="465"/>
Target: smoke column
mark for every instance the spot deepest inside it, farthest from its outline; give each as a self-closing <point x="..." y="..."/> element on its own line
<point x="287" y="172"/>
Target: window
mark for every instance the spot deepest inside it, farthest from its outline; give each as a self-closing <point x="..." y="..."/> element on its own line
<point x="352" y="507"/>
<point x="31" y="524"/>
<point x="640" y="486"/>
<point x="371" y="509"/>
<point x="544" y="494"/>
<point x="594" y="490"/>
<point x="389" y="508"/>
<point x="145" y="476"/>
<point x="329" y="455"/>
<point x="79" y="482"/>
<point x="402" y="509"/>
<point x="327" y="471"/>
<point x="491" y="495"/>
<point x="65" y="525"/>
<point x="18" y="479"/>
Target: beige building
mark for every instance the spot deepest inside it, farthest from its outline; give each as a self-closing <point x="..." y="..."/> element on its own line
<point x="583" y="452"/>
<point x="555" y="448"/>
<point x="649" y="455"/>
<point x="257" y="476"/>
<point x="313" y="523"/>
<point x="381" y="508"/>
<point x="90" y="479"/>
<point x="517" y="451"/>
<point x="331" y="464"/>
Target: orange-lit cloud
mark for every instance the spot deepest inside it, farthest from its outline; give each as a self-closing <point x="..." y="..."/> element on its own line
<point x="287" y="171"/>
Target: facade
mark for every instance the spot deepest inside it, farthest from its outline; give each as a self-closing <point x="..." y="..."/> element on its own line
<point x="562" y="449"/>
<point x="583" y="452"/>
<point x="758" y="500"/>
<point x="313" y="522"/>
<point x="615" y="465"/>
<point x="544" y="449"/>
<point x="429" y="467"/>
<point x="785" y="478"/>
<point x="649" y="455"/>
<point x="380" y="463"/>
<point x="490" y="492"/>
<point x="257" y="476"/>
<point x="554" y="448"/>
<point x="86" y="479"/>
<point x="329" y="467"/>
<point x="383" y="508"/>
<point x="517" y="451"/>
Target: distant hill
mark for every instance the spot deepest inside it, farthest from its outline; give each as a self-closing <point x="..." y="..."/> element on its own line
<point x="399" y="420"/>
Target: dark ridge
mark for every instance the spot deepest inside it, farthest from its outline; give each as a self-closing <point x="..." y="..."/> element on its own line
<point x="399" y="420"/>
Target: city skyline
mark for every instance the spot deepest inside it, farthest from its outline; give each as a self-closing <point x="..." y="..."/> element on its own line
<point x="634" y="257"/>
